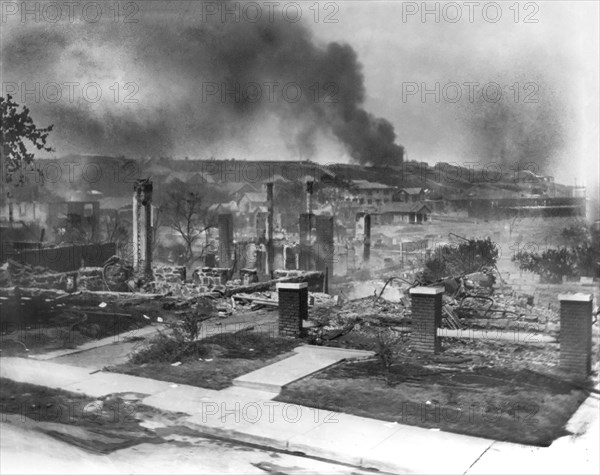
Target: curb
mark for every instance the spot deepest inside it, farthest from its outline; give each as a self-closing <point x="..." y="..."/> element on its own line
<point x="319" y="453"/>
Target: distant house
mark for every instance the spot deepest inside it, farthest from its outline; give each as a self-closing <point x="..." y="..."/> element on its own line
<point x="237" y="190"/>
<point x="25" y="212"/>
<point x="369" y="193"/>
<point x="276" y="178"/>
<point x="410" y="195"/>
<point x="197" y="178"/>
<point x="411" y="213"/>
<point x="84" y="215"/>
<point x="250" y="202"/>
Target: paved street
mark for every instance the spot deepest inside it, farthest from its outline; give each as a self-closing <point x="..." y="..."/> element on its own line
<point x="177" y="454"/>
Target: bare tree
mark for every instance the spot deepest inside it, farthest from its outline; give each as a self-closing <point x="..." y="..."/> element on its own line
<point x="186" y="215"/>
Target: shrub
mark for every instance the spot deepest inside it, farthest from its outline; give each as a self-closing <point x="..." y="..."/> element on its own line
<point x="172" y="346"/>
<point x="581" y="256"/>
<point x="469" y="256"/>
<point x="387" y="343"/>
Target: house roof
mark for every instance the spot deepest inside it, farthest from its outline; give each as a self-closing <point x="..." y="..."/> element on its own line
<point x="413" y="190"/>
<point x="177" y="176"/>
<point x="404" y="208"/>
<point x="236" y="187"/>
<point x="186" y="177"/>
<point x="276" y="178"/>
<point x="255" y="197"/>
<point x="157" y="170"/>
<point x="200" y="177"/>
<point x="114" y="202"/>
<point x="488" y="192"/>
<point x="369" y="185"/>
<point x="230" y="207"/>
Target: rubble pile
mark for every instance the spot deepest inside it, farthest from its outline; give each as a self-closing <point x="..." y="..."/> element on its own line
<point x="363" y="316"/>
<point x="504" y="310"/>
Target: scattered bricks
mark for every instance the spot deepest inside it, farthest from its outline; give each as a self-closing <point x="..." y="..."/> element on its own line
<point x="293" y="308"/>
<point x="426" y="303"/>
<point x="576" y="333"/>
<point x="90" y="278"/>
<point x="281" y="273"/>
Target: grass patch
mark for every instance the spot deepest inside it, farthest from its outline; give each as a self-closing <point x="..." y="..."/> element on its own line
<point x="212" y="362"/>
<point x="509" y="405"/>
<point x="98" y="425"/>
<point x="67" y="330"/>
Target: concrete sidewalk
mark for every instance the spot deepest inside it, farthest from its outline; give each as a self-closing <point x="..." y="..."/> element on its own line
<point x="249" y="415"/>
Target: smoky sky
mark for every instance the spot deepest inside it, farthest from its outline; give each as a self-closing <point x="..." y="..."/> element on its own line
<point x="196" y="85"/>
<point x="177" y="64"/>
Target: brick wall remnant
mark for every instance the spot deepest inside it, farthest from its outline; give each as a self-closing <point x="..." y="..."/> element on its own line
<point x="367" y="238"/>
<point x="211" y="276"/>
<point x="307" y="261"/>
<point x="426" y="307"/>
<point x="324" y="245"/>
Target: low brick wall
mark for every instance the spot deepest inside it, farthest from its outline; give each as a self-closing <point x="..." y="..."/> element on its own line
<point x="211" y="276"/>
<point x="169" y="274"/>
<point x="14" y="274"/>
<point x="66" y="258"/>
<point x="90" y="278"/>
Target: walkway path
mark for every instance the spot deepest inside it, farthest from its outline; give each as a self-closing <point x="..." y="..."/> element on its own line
<point x="306" y="361"/>
<point x="250" y="415"/>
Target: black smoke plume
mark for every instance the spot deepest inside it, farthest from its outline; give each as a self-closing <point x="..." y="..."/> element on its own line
<point x="176" y="64"/>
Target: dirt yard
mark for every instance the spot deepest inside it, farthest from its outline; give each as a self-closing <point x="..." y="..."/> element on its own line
<point x="463" y="390"/>
<point x="209" y="363"/>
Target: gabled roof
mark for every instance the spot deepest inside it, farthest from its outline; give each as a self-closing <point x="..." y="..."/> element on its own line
<point x="404" y="208"/>
<point x="230" y="207"/>
<point x="412" y="190"/>
<point x="236" y="187"/>
<point x="369" y="185"/>
<point x="276" y="178"/>
<point x="255" y="197"/>
<point x="114" y="202"/>
<point x="156" y="170"/>
<point x="199" y="178"/>
<point x="177" y="176"/>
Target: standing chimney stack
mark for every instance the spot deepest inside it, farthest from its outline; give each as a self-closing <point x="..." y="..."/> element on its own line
<point x="142" y="229"/>
<point x="270" y="250"/>
<point x="309" y="194"/>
